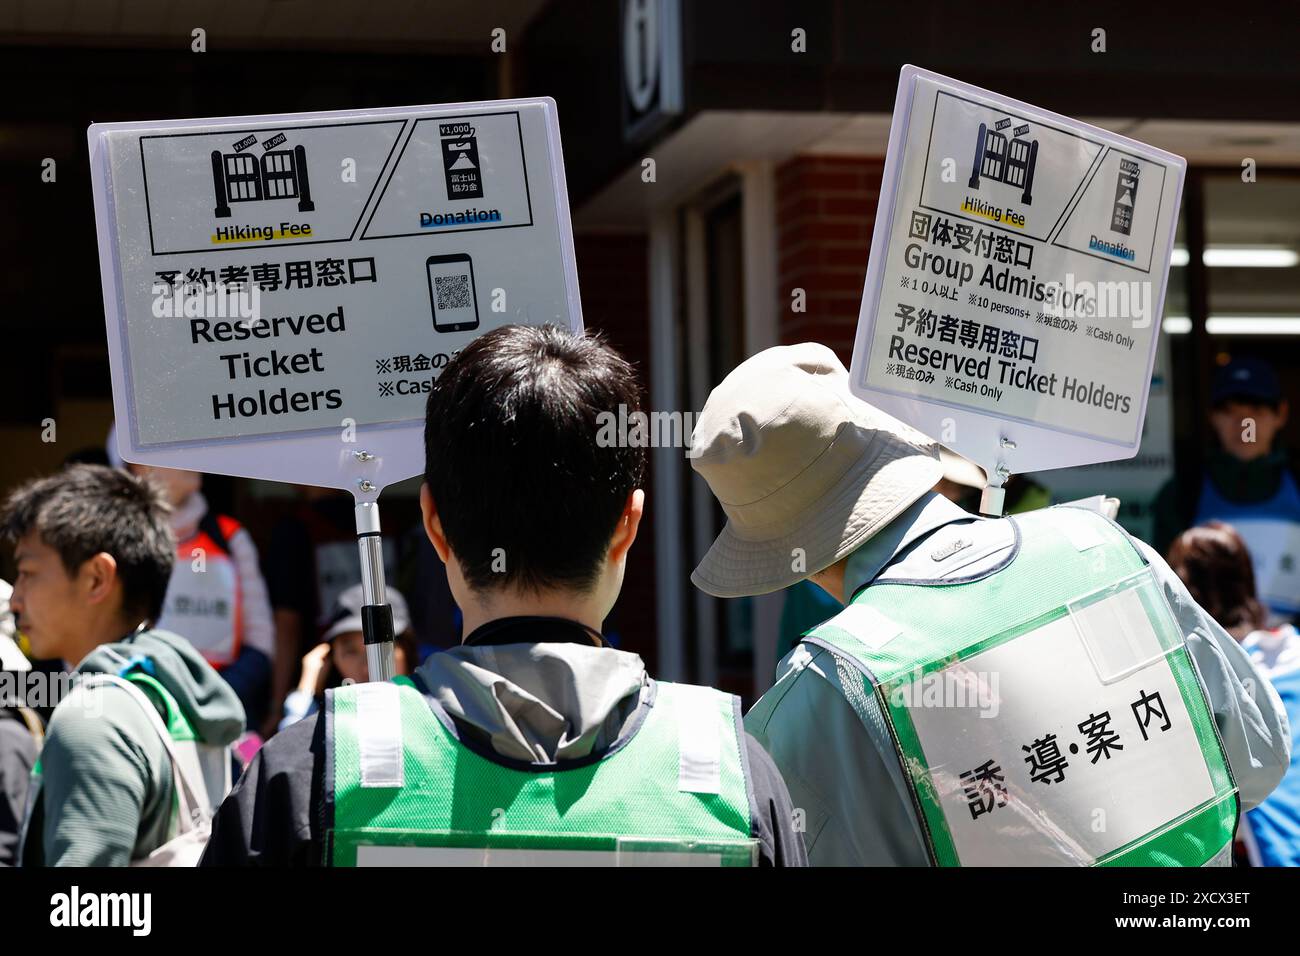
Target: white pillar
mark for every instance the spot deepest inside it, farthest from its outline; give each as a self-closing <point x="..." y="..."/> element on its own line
<point x="665" y="504"/>
<point x="758" y="232"/>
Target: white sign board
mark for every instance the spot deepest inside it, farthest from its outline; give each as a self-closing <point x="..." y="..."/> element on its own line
<point x="281" y="291"/>
<point x="1016" y="280"/>
<point x="1064" y="742"/>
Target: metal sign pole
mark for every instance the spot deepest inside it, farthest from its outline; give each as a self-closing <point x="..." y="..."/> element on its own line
<point x="376" y="614"/>
<point x="993" y="498"/>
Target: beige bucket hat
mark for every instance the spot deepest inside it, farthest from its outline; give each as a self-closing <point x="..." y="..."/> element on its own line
<point x="798" y="462"/>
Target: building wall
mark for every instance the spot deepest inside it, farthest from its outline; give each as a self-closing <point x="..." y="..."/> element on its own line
<point x="826" y="209"/>
<point x="614" y="280"/>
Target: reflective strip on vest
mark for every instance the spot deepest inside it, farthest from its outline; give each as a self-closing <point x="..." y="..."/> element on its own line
<point x="699" y="740"/>
<point x="379" y="734"/>
<point x="675" y="792"/>
<point x="202" y="603"/>
<point x="1047" y="713"/>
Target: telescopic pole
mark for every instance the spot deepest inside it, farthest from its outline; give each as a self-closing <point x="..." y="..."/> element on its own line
<point x="376" y="614"/>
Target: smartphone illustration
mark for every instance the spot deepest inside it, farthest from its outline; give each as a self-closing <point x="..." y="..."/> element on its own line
<point x="451" y="292"/>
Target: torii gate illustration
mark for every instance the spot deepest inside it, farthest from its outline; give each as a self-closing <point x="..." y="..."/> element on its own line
<point x="1007" y="162"/>
<point x="241" y="177"/>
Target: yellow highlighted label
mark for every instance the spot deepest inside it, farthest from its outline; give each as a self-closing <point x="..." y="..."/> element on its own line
<point x="1000" y="221"/>
<point x="261" y="234"/>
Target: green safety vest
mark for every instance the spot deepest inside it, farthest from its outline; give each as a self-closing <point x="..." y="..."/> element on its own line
<point x="405" y="790"/>
<point x="1047" y="713"/>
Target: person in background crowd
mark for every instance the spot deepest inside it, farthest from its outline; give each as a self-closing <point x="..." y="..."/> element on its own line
<point x="142" y="740"/>
<point x="21" y="731"/>
<point x="311" y="560"/>
<point x="534" y="724"/>
<point x="1213" y="562"/>
<point x="216" y="598"/>
<point x="1248" y="480"/>
<point x="341" y="655"/>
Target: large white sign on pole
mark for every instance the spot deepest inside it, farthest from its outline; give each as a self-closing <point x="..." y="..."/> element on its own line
<point x="281" y="291"/>
<point x="1016" y="280"/>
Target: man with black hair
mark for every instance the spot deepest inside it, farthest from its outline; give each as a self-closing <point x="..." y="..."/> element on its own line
<point x="534" y="741"/>
<point x="136" y="755"/>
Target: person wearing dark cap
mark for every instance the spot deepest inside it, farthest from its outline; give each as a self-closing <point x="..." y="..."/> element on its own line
<point x="1249" y="481"/>
<point x="341" y="655"/>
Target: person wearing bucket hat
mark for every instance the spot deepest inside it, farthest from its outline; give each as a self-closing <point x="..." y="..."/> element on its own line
<point x="884" y="730"/>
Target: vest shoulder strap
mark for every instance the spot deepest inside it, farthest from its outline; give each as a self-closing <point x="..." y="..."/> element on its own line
<point x="1063" y="553"/>
<point x="701" y="746"/>
<point x="191" y="792"/>
<point x="704" y="741"/>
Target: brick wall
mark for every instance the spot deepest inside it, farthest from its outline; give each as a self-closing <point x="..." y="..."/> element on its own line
<point x="826" y="209"/>
<point x="614" y="281"/>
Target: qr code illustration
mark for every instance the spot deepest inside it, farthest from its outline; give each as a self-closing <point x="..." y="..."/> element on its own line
<point x="453" y="292"/>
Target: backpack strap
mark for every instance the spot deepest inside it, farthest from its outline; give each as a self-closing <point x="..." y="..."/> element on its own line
<point x="219" y="528"/>
<point x="27" y="717"/>
<point x="192" y="795"/>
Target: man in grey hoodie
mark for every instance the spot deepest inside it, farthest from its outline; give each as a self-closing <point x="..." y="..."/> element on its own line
<point x="534" y="741"/>
<point x="94" y="553"/>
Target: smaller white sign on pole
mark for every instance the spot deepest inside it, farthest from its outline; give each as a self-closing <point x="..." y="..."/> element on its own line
<point x="281" y="291"/>
<point x="1017" y="277"/>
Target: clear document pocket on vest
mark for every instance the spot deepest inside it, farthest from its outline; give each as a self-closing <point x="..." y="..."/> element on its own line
<point x="1125" y="627"/>
<point x="1079" y="738"/>
<point x="550" y="849"/>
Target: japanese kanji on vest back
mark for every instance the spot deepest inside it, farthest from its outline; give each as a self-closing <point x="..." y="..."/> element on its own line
<point x="1047" y="713"/>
